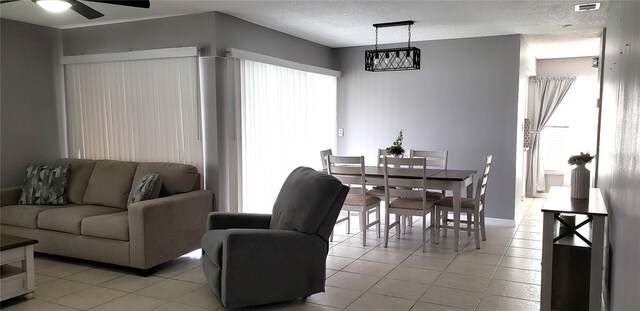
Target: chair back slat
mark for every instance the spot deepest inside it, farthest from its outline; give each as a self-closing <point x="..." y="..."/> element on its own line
<point x="323" y="157"/>
<point x="481" y="187"/>
<point x="435" y="159"/>
<point x="404" y="186"/>
<point x="349" y="170"/>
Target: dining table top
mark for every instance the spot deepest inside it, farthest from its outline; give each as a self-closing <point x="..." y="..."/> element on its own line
<point x="433" y="174"/>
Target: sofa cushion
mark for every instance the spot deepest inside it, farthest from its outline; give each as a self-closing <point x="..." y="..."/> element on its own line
<point x="45" y="185"/>
<point x="81" y="170"/>
<point x="68" y="219"/>
<point x="176" y="178"/>
<point x="110" y="226"/>
<point x="304" y="200"/>
<point x="110" y="183"/>
<point x="23" y="215"/>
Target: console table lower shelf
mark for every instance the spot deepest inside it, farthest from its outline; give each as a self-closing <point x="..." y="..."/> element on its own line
<point x="17" y="275"/>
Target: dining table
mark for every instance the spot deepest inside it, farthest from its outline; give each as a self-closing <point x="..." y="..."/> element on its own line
<point x="454" y="180"/>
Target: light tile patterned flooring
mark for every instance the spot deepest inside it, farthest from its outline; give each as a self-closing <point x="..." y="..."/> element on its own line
<point x="503" y="275"/>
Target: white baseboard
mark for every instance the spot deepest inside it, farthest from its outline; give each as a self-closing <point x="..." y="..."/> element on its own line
<point x="500" y="222"/>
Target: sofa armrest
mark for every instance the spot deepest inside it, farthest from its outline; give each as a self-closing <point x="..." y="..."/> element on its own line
<point x="10" y="195"/>
<point x="225" y="220"/>
<point x="165" y="228"/>
<point x="270" y="264"/>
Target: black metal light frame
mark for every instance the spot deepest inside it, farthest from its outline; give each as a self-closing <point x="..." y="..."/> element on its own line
<point x="395" y="59"/>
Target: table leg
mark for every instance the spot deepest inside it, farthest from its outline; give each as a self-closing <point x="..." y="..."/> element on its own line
<point x="547" y="260"/>
<point x="597" y="251"/>
<point x="30" y="270"/>
<point x="456" y="217"/>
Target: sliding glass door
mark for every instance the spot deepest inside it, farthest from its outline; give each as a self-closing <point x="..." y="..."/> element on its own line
<point x="288" y="116"/>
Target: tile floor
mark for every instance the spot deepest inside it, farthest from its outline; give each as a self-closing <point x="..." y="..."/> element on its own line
<point x="503" y="275"/>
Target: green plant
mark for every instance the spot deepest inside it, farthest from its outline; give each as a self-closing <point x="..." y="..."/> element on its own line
<point x="396" y="148"/>
<point x="581" y="159"/>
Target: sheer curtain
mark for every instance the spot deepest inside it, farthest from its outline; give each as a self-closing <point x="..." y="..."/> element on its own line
<point x="140" y="110"/>
<point x="548" y="95"/>
<point x="287" y="117"/>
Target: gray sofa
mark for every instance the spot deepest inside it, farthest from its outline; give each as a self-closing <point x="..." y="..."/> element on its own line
<point x="97" y="224"/>
<point x="253" y="259"/>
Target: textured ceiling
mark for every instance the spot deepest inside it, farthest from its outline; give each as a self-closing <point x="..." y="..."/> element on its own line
<point x="552" y="28"/>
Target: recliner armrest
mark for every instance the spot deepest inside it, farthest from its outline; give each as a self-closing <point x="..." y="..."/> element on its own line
<point x="225" y="220"/>
<point x="10" y="195"/>
<point x="164" y="228"/>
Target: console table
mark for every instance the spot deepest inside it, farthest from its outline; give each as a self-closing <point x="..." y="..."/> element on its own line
<point x="583" y="238"/>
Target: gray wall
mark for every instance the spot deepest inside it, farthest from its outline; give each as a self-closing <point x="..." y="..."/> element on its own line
<point x="29" y="128"/>
<point x="463" y="99"/>
<point x="564" y="67"/>
<point x="170" y="32"/>
<point x="619" y="172"/>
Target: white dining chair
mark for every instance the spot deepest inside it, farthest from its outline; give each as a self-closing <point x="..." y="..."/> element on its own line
<point x="378" y="191"/>
<point x="341" y="218"/>
<point x="411" y="197"/>
<point x="435" y="160"/>
<point x="474" y="207"/>
<point x="350" y="171"/>
<point x="323" y="157"/>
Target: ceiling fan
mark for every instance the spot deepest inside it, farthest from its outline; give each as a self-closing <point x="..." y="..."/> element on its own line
<point x="81" y="8"/>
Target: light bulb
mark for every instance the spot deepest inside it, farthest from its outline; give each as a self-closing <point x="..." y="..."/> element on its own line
<point x="54" y="6"/>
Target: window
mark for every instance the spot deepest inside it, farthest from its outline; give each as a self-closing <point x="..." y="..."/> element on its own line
<point x="136" y="110"/>
<point x="572" y="127"/>
<point x="288" y="116"/>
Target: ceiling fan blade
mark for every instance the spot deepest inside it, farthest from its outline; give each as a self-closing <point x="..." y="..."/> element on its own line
<point x="7" y="1"/>
<point x="85" y="11"/>
<point x="134" y="3"/>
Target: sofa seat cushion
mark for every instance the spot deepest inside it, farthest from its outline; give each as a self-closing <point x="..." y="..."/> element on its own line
<point x="68" y="219"/>
<point x="25" y="216"/>
<point x="110" y="226"/>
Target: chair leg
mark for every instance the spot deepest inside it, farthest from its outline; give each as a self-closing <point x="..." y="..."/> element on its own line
<point x="468" y="224"/>
<point x="348" y="222"/>
<point x="386" y="229"/>
<point x="476" y="228"/>
<point x="378" y="220"/>
<point x="484" y="233"/>
<point x="410" y="221"/>
<point x="363" y="226"/>
<point x="424" y="234"/>
<point x="403" y="223"/>
<point x="445" y="225"/>
<point x="398" y="219"/>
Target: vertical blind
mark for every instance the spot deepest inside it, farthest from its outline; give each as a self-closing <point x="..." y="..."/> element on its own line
<point x="141" y="110"/>
<point x="288" y="116"/>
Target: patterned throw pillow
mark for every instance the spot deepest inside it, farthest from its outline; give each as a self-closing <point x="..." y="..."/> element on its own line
<point x="148" y="188"/>
<point x="45" y="185"/>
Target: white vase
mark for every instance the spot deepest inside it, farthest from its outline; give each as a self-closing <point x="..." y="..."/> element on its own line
<point x="580" y="180"/>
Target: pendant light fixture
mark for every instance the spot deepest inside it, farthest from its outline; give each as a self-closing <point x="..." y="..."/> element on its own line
<point x="406" y="58"/>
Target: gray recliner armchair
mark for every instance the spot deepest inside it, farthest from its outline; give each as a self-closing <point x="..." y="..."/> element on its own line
<point x="252" y="259"/>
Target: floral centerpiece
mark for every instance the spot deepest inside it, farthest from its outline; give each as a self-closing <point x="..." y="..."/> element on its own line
<point x="580" y="176"/>
<point x="581" y="159"/>
<point x="396" y="148"/>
